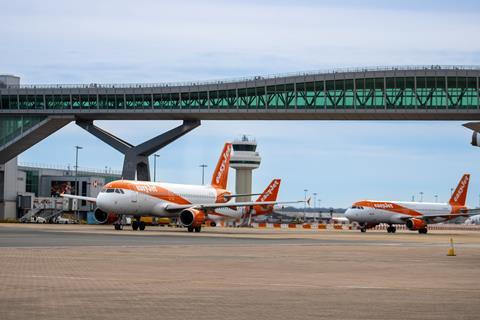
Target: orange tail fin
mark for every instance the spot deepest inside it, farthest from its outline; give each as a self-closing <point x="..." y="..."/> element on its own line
<point x="220" y="175"/>
<point x="459" y="197"/>
<point x="270" y="194"/>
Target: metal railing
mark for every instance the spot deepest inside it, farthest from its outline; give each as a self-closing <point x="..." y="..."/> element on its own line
<point x="81" y="170"/>
<point x="246" y="79"/>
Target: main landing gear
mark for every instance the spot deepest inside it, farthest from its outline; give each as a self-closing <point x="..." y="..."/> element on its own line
<point x="136" y="225"/>
<point x="391" y="229"/>
<point x="196" y="229"/>
<point x="423" y="231"/>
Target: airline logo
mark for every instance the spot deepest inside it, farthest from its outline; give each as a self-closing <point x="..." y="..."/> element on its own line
<point x="147" y="188"/>
<point x="269" y="191"/>
<point x="463" y="184"/>
<point x="383" y="205"/>
<point x="388" y="206"/>
<point x="223" y="165"/>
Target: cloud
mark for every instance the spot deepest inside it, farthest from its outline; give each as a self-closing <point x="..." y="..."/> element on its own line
<point x="162" y="41"/>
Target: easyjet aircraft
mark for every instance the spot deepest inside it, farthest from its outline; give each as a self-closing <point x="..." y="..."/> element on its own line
<point x="191" y="204"/>
<point x="247" y="212"/>
<point x="415" y="215"/>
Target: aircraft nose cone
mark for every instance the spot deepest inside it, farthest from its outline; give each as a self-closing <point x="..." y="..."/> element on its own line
<point x="102" y="204"/>
<point x="348" y="214"/>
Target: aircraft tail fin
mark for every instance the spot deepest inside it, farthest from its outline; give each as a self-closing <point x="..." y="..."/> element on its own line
<point x="220" y="175"/>
<point x="459" y="196"/>
<point x="269" y="194"/>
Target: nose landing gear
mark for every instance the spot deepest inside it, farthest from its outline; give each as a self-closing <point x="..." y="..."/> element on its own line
<point x="119" y="223"/>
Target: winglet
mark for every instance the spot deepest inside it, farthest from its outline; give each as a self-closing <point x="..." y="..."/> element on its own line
<point x="220" y="175"/>
<point x="459" y="197"/>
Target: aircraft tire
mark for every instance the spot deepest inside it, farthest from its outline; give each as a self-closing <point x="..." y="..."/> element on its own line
<point x="134" y="225"/>
<point x="190" y="229"/>
<point x="198" y="229"/>
<point x="423" y="231"/>
<point x="141" y="225"/>
<point x="363" y="229"/>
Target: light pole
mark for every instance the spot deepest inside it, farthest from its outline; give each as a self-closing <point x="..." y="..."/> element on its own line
<point x="436" y="198"/>
<point x="314" y="200"/>
<point x="155" y="156"/>
<point x="203" y="166"/>
<point x="421" y="196"/>
<point x="319" y="209"/>
<point x="305" y="205"/>
<point x="76" y="179"/>
<point x="451" y="192"/>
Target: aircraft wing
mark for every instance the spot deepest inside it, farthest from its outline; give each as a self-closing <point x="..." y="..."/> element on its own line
<point x="206" y="206"/>
<point x="467" y="213"/>
<point x="71" y="196"/>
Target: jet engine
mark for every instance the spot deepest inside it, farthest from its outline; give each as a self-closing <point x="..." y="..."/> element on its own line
<point x="103" y="218"/>
<point x="476" y="139"/>
<point x="415" y="224"/>
<point x="192" y="218"/>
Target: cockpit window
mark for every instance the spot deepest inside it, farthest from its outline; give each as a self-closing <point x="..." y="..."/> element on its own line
<point x="110" y="190"/>
<point x="357" y="207"/>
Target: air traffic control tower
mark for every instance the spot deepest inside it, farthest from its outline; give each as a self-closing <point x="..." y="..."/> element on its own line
<point x="244" y="160"/>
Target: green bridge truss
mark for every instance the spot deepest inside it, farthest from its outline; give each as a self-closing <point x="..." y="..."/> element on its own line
<point x="28" y="113"/>
<point x="429" y="92"/>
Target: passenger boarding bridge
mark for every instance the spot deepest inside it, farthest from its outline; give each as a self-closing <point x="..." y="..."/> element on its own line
<point x="29" y="113"/>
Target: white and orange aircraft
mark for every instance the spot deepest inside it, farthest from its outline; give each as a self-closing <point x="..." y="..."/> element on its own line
<point x="192" y="205"/>
<point x="415" y="215"/>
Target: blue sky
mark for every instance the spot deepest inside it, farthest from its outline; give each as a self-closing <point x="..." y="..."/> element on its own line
<point x="156" y="41"/>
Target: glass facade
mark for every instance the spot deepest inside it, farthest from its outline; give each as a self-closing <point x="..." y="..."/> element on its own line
<point x="13" y="126"/>
<point x="360" y="93"/>
<point x="32" y="181"/>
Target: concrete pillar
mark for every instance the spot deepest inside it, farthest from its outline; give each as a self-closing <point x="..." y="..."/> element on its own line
<point x="243" y="184"/>
<point x="8" y="190"/>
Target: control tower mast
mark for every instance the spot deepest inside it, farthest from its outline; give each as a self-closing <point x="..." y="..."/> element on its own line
<point x="244" y="159"/>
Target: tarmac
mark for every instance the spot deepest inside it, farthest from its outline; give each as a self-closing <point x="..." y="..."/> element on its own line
<point x="90" y="272"/>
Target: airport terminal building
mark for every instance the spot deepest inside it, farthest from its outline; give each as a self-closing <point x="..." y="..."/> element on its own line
<point x="35" y="189"/>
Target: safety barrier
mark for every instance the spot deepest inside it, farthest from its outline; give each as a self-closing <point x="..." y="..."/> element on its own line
<point x="320" y="226"/>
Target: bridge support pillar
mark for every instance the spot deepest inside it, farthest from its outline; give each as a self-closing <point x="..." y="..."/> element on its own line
<point x="135" y="164"/>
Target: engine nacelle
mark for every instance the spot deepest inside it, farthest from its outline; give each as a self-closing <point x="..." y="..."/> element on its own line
<point x="415" y="224"/>
<point x="191" y="218"/>
<point x="102" y="217"/>
<point x="476" y="139"/>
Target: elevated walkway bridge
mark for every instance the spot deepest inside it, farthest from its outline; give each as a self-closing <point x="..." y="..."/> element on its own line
<point x="29" y="113"/>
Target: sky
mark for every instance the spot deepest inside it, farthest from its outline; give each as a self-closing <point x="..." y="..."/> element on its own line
<point x="143" y="41"/>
